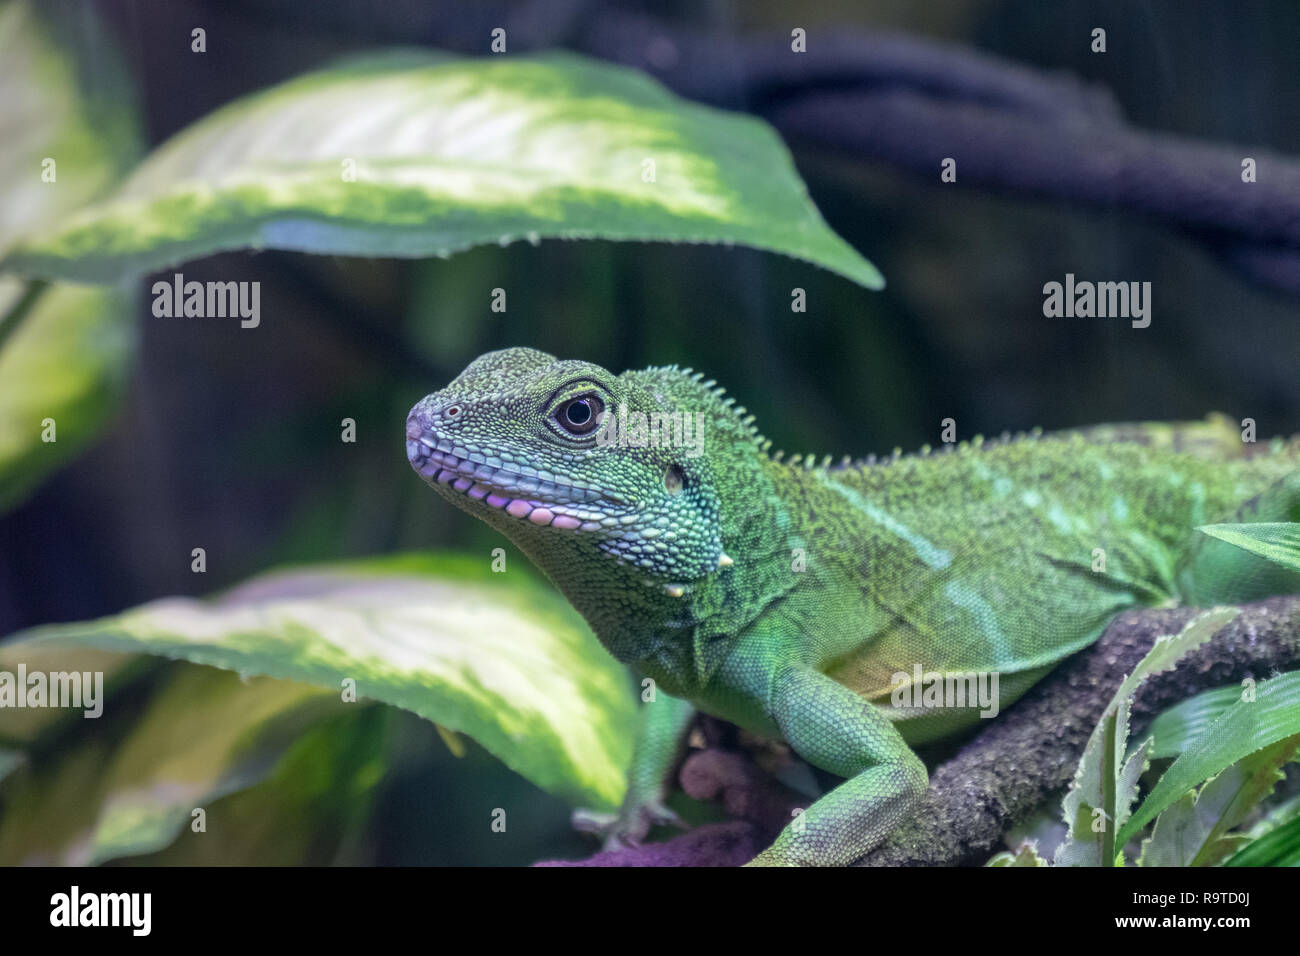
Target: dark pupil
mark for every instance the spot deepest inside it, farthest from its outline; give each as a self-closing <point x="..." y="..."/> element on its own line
<point x="579" y="412"/>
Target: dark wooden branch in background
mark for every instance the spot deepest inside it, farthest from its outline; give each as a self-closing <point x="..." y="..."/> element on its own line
<point x="910" y="102"/>
<point x="902" y="101"/>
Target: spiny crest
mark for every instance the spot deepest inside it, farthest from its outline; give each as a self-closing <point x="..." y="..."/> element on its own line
<point x="707" y="390"/>
<point x="810" y="462"/>
<point x="976" y="444"/>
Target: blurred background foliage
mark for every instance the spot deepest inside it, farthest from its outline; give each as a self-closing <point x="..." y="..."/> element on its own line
<point x="228" y="438"/>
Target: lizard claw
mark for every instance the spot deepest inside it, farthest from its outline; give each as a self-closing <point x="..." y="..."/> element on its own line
<point x="628" y="827"/>
<point x="593" y="821"/>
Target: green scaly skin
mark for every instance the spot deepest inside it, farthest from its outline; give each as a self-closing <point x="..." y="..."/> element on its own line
<point x="784" y="596"/>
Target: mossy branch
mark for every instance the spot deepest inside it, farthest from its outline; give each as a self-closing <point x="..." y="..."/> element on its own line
<point x="1005" y="770"/>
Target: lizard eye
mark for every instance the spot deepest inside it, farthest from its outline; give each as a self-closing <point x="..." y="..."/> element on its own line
<point x="580" y="415"/>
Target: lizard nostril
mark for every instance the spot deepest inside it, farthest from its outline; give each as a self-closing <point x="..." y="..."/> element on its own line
<point x="451" y="411"/>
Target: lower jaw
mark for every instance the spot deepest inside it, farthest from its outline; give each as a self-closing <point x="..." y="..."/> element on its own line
<point x="540" y="513"/>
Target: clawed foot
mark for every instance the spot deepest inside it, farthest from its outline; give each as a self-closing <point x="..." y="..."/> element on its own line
<point x="629" y="826"/>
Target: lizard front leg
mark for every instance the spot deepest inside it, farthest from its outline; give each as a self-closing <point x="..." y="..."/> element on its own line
<point x="833" y="728"/>
<point x="660" y="741"/>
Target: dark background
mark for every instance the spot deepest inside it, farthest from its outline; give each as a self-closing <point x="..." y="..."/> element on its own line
<point x="229" y="438"/>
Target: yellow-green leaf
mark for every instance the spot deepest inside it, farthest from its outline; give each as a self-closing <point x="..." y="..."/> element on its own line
<point x="62" y="372"/>
<point x="1279" y="541"/>
<point x="116" y="789"/>
<point x="1245" y="727"/>
<point x="64" y="350"/>
<point x="496" y="657"/>
<point x="417" y="154"/>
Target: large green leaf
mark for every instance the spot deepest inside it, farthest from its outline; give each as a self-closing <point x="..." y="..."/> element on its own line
<point x="84" y="123"/>
<point x="1279" y="541"/>
<point x="204" y="734"/>
<point x="21" y="728"/>
<point x="449" y="153"/>
<point x="64" y="351"/>
<point x="1195" y="829"/>
<point x="1106" y="781"/>
<point x="1277" y="845"/>
<point x="310" y="810"/>
<point x="1245" y="727"/>
<point x="49" y="810"/>
<point x="62" y="372"/>
<point x="1185" y="723"/>
<point x="497" y="657"/>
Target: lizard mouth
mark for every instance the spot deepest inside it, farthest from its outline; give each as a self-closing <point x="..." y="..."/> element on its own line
<point x="522" y="492"/>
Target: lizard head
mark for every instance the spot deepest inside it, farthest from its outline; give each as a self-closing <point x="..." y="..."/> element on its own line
<point x="565" y="457"/>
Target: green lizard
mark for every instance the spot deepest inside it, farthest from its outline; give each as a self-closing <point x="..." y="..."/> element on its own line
<point x="794" y="598"/>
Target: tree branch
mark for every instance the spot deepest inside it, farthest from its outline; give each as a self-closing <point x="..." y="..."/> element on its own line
<point x="908" y="102"/>
<point x="1009" y="768"/>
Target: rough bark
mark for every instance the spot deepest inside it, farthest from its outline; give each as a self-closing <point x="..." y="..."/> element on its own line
<point x="1005" y="770"/>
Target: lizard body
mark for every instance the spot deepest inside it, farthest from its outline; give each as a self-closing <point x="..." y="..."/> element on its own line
<point x="794" y="598"/>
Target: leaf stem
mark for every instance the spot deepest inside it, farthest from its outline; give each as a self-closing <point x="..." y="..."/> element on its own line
<point x="12" y="319"/>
